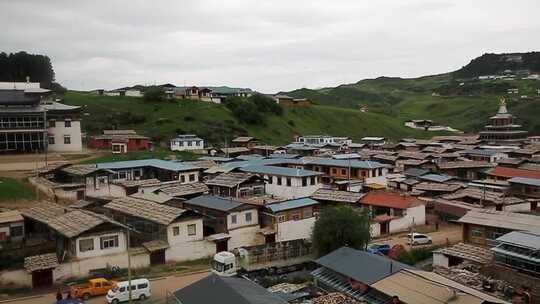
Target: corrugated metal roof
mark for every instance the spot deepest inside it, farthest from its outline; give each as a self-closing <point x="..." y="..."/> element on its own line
<point x="522" y="238"/>
<point x="292" y="204"/>
<point x="526" y="181"/>
<point x="215" y="202"/>
<point x="270" y="170"/>
<point x="502" y="219"/>
<point x="156" y="163"/>
<point x="360" y="164"/>
<point x="360" y="265"/>
<point x="11" y="216"/>
<point x="154" y="212"/>
<point x="439" y="178"/>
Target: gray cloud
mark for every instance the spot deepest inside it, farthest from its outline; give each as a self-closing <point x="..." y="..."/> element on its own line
<point x="267" y="45"/>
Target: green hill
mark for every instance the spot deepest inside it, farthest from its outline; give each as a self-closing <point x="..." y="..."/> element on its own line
<point x="162" y="120"/>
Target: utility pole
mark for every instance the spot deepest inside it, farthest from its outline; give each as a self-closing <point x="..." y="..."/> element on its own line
<point x="129" y="265"/>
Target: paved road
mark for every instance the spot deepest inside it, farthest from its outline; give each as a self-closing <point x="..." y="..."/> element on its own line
<point x="159" y="289"/>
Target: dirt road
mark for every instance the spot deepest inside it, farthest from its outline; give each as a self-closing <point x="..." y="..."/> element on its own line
<point x="159" y="289"/>
<point x="446" y="234"/>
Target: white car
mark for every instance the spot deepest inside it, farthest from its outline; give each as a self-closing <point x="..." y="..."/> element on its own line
<point x="140" y="290"/>
<point x="418" y="239"/>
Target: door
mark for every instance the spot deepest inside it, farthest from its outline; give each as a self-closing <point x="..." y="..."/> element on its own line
<point x="384" y="228"/>
<point x="221" y="246"/>
<point x="157" y="257"/>
<point x="271" y="238"/>
<point x="42" y="278"/>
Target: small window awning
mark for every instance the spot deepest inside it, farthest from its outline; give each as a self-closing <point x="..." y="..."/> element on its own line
<point x="218" y="237"/>
<point x="40" y="262"/>
<point x="267" y="231"/>
<point x="155" y="245"/>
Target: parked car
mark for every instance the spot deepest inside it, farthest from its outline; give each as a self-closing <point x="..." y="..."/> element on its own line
<point x="94" y="287"/>
<point x="379" y="249"/>
<point x="418" y="239"/>
<point x="140" y="289"/>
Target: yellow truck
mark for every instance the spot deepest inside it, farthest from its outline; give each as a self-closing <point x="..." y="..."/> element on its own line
<point x="94" y="287"/>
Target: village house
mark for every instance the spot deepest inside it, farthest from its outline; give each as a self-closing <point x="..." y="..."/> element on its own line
<point x="120" y="141"/>
<point x="287" y="183"/>
<point x="289" y="220"/>
<point x="236" y="184"/>
<point x="228" y="223"/>
<point x="483" y="227"/>
<point x="392" y="212"/>
<point x="84" y="242"/>
<point x="30" y="124"/>
<point x="245" y="142"/>
<point x="210" y="94"/>
<point x="489" y="200"/>
<point x="525" y="187"/>
<point x="323" y="139"/>
<point x="11" y="227"/>
<point x="166" y="233"/>
<point x="504" y="173"/>
<point x="488" y="155"/>
<point x="285" y="100"/>
<point x="373" y="141"/>
<point x="519" y="250"/>
<point x="163" y="170"/>
<point x="336" y="169"/>
<point x="465" y="170"/>
<point x="187" y="142"/>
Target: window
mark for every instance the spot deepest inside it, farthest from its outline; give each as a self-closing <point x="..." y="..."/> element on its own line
<point x="313" y="180"/>
<point x="67" y="123"/>
<point x="16" y="231"/>
<point x="334" y="171"/>
<point x="189" y="144"/>
<point x="343" y="172"/>
<point x="233" y="219"/>
<point x="122" y="289"/>
<point x="308" y="212"/>
<point x="269" y="179"/>
<point x="296" y="216"/>
<point x="192" y="229"/>
<point x="192" y="177"/>
<point x="51" y="139"/>
<point x="142" y="286"/>
<point x="175" y="230"/>
<point x="248" y="217"/>
<point x="288" y="181"/>
<point x="86" y="245"/>
<point x="67" y="139"/>
<point x="109" y="242"/>
<point x="182" y="179"/>
<point x="476" y="232"/>
<point x="304" y="181"/>
<point x="278" y="180"/>
<point x="52" y="123"/>
<point x="281" y="218"/>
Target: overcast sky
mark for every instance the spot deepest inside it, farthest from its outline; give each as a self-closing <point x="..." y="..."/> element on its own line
<point x="267" y="45"/>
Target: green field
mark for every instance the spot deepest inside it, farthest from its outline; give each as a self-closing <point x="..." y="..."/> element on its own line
<point x="12" y="190"/>
<point x="215" y="123"/>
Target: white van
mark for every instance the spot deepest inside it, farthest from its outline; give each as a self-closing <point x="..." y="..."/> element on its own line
<point x="140" y="289"/>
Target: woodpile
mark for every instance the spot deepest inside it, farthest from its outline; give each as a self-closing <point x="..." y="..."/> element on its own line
<point x="334" y="298"/>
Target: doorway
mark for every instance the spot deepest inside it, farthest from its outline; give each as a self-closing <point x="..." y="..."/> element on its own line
<point x="222" y="246"/>
<point x="42" y="278"/>
<point x="157" y="257"/>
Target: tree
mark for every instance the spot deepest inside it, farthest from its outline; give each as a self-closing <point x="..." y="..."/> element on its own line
<point x="18" y="66"/>
<point x="154" y="93"/>
<point x="341" y="226"/>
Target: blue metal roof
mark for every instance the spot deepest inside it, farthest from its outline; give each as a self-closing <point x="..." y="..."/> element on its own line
<point x="438" y="178"/>
<point x="482" y="152"/>
<point x="361" y="164"/>
<point x="271" y="170"/>
<point x="283" y="155"/>
<point x="292" y="204"/>
<point x="415" y="172"/>
<point x="216" y="158"/>
<point x="156" y="163"/>
<point x="525" y="180"/>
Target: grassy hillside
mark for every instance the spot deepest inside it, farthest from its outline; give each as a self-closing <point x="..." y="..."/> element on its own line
<point x="462" y="104"/>
<point x="162" y="120"/>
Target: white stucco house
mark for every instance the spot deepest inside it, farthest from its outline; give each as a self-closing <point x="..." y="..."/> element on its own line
<point x="186" y="142"/>
<point x="287" y="183"/>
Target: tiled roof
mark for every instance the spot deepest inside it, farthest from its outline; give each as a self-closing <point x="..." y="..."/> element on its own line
<point x="465" y="164"/>
<point x="214" y="202"/>
<point x="513" y="172"/>
<point x="184" y="189"/>
<point x="154" y="212"/>
<point x="390" y="200"/>
<point x="469" y="252"/>
<point x="425" y="186"/>
<point x="11" y="216"/>
<point x="337" y="196"/>
<point x="41" y="262"/>
<point x="479" y="194"/>
<point x="230" y="179"/>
